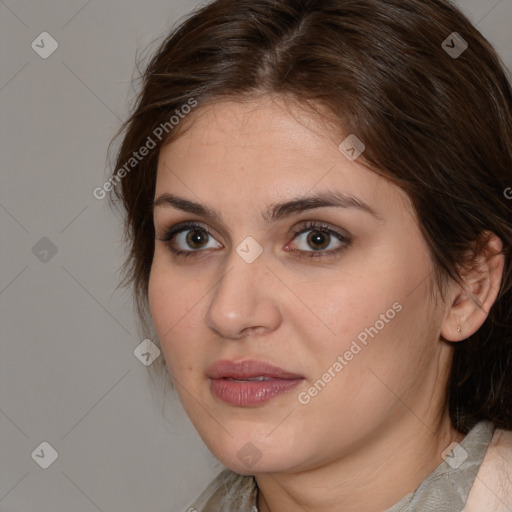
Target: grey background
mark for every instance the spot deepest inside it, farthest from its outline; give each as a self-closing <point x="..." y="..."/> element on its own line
<point x="68" y="375"/>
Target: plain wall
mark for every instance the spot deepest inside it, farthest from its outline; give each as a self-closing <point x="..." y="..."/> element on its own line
<point x="68" y="374"/>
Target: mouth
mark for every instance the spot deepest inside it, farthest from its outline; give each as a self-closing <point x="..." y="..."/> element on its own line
<point x="252" y="379"/>
<point x="250" y="383"/>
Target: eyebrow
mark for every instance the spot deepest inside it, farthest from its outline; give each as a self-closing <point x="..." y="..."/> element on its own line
<point x="276" y="211"/>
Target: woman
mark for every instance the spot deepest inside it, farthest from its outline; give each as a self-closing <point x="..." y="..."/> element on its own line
<point x="318" y="224"/>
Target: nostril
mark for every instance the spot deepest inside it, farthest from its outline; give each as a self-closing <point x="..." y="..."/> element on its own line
<point x="251" y="331"/>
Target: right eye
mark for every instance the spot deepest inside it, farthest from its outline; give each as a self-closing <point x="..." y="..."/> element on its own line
<point x="189" y="238"/>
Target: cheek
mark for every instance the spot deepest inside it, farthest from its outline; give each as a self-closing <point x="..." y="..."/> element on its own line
<point x="345" y="304"/>
<point x="376" y="314"/>
<point x="162" y="300"/>
<point x="174" y="305"/>
<point x="387" y="344"/>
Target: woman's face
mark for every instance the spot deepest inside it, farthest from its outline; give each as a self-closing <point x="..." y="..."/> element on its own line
<point x="337" y="297"/>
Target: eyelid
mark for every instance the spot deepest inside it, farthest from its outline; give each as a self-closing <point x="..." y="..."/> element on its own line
<point x="169" y="233"/>
<point x="308" y="225"/>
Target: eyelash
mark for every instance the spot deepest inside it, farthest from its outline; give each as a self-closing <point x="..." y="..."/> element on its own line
<point x="309" y="226"/>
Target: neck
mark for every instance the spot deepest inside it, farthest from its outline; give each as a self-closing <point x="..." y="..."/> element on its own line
<point x="371" y="479"/>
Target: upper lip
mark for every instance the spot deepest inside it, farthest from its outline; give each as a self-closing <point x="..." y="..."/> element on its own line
<point x="224" y="369"/>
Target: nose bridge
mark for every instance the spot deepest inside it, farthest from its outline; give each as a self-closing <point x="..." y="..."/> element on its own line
<point x="242" y="298"/>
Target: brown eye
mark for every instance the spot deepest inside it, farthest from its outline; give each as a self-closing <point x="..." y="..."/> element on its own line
<point x="318" y="239"/>
<point x="196" y="238"/>
<point x="186" y="239"/>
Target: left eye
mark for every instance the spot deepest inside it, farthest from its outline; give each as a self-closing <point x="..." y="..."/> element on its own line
<point x="318" y="239"/>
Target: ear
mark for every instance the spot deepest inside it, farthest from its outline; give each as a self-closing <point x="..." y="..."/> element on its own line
<point x="469" y="306"/>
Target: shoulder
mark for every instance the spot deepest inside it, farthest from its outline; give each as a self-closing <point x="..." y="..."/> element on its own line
<point x="229" y="492"/>
<point x="492" y="488"/>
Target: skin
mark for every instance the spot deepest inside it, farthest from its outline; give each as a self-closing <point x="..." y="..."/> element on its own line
<point x="379" y="427"/>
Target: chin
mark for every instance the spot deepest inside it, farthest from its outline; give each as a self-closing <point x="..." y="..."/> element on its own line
<point x="264" y="465"/>
<point x="248" y="453"/>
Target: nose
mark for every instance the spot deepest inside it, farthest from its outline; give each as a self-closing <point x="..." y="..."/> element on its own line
<point x="244" y="301"/>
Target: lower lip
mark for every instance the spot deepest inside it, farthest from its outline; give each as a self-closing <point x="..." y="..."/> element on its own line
<point x="250" y="393"/>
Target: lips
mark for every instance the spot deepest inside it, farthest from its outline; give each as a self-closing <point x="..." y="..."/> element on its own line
<point x="244" y="370"/>
<point x="249" y="383"/>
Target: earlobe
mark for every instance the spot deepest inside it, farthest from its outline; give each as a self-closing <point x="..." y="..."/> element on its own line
<point x="470" y="304"/>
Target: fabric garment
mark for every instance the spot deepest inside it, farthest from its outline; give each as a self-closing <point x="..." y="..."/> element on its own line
<point x="446" y="489"/>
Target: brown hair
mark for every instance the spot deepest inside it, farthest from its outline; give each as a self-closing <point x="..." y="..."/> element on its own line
<point x="437" y="125"/>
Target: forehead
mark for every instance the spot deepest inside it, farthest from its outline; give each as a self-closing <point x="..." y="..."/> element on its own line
<point x="271" y="121"/>
<point x="263" y="149"/>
